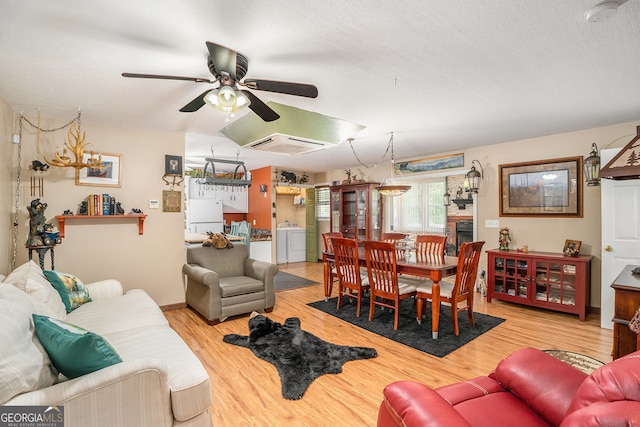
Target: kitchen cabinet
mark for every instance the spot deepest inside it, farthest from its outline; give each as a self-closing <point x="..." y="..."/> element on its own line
<point x="540" y="279"/>
<point x="356" y="210"/>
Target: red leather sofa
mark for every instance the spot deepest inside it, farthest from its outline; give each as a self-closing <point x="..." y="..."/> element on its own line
<point x="528" y="388"/>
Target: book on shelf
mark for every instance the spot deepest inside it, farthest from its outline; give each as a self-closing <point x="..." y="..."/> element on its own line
<point x="105" y="204"/>
<point x="101" y="205"/>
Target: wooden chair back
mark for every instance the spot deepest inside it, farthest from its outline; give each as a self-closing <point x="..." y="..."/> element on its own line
<point x="386" y="290"/>
<point x="346" y="258"/>
<point x="462" y="290"/>
<point x="467" y="271"/>
<point x="430" y="245"/>
<point x="326" y="237"/>
<point x="393" y="237"/>
<point x="350" y="283"/>
<point x="382" y="267"/>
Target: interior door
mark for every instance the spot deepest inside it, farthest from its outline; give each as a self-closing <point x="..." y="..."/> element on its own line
<point x="311" y="226"/>
<point x="620" y="233"/>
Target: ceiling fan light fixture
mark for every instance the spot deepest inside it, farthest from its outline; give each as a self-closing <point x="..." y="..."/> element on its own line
<point x="226" y="99"/>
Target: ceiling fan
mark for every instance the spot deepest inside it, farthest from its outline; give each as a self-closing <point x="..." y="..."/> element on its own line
<point x="229" y="68"/>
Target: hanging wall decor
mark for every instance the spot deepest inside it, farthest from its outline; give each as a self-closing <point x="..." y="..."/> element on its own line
<point x="551" y="188"/>
<point x="431" y="164"/>
<point x="171" y="201"/>
<point x="108" y="174"/>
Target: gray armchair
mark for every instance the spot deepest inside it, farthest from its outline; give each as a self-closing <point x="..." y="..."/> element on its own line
<point x="226" y="282"/>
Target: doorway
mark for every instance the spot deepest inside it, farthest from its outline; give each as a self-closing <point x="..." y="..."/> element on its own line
<point x="620" y="207"/>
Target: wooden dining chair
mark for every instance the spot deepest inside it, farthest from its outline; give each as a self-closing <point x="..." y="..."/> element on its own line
<point x="461" y="290"/>
<point x="430" y="245"/>
<point x="351" y="282"/>
<point x="387" y="288"/>
<point x="395" y="238"/>
<point x="333" y="274"/>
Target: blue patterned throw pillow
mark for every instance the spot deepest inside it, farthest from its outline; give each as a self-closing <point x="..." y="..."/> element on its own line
<point x="72" y="291"/>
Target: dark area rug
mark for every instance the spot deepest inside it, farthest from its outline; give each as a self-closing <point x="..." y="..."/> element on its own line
<point x="299" y="357"/>
<point x="409" y="331"/>
<point x="289" y="281"/>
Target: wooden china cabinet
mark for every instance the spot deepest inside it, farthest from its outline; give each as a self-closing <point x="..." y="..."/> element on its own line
<point x="540" y="279"/>
<point x="356" y="210"/>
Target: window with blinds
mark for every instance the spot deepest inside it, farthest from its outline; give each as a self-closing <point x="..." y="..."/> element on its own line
<point x="419" y="210"/>
<point x="322" y="203"/>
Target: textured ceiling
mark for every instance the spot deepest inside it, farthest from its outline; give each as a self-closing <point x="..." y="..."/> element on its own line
<point x="442" y="75"/>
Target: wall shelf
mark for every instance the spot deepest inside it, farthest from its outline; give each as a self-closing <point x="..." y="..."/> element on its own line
<point x="462" y="203"/>
<point x="140" y="217"/>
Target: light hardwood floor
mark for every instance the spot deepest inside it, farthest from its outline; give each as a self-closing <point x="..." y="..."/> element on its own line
<point x="246" y="390"/>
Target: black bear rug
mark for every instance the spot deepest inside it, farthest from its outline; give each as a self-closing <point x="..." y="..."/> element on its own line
<point x="299" y="357"/>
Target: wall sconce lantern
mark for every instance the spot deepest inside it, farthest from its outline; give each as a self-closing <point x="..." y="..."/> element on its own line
<point x="592" y="167"/>
<point x="474" y="177"/>
<point x="447" y="198"/>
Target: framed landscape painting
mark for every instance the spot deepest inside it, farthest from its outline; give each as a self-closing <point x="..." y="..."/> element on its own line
<point x="551" y="188"/>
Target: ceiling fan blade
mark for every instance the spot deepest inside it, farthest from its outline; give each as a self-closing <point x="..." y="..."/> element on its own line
<point x="298" y="89"/>
<point x="260" y="108"/>
<point x="230" y="61"/>
<point x="162" y="77"/>
<point x="196" y="104"/>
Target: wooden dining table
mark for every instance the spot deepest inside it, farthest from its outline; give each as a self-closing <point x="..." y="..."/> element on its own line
<point x="432" y="267"/>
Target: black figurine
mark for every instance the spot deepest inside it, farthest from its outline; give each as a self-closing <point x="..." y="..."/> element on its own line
<point x="119" y="210"/>
<point x="37" y="222"/>
<point x="38" y="166"/>
<point x="84" y="208"/>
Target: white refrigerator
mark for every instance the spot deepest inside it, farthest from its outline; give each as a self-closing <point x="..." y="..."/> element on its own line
<point x="204" y="215"/>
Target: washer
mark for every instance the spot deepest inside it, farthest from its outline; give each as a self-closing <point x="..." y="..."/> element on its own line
<point x="291" y="244"/>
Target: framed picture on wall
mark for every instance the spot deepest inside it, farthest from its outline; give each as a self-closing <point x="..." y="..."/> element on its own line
<point x="108" y="175"/>
<point x="172" y="165"/>
<point x="171" y="201"/>
<point x="551" y="188"/>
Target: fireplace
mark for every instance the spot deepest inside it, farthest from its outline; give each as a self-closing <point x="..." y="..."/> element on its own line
<point x="464" y="233"/>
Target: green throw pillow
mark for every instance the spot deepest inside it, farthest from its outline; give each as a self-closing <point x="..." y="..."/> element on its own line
<point x="72" y="291"/>
<point x="74" y="351"/>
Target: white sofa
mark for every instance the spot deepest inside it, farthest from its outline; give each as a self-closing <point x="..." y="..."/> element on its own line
<point x="160" y="382"/>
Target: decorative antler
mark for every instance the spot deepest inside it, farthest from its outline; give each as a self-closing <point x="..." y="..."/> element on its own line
<point x="77" y="149"/>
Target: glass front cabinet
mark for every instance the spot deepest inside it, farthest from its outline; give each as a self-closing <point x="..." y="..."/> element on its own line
<point x="542" y="279"/>
<point x="356" y="211"/>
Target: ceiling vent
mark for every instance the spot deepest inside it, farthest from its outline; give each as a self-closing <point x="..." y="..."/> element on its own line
<point x="295" y="132"/>
<point x="285" y="144"/>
